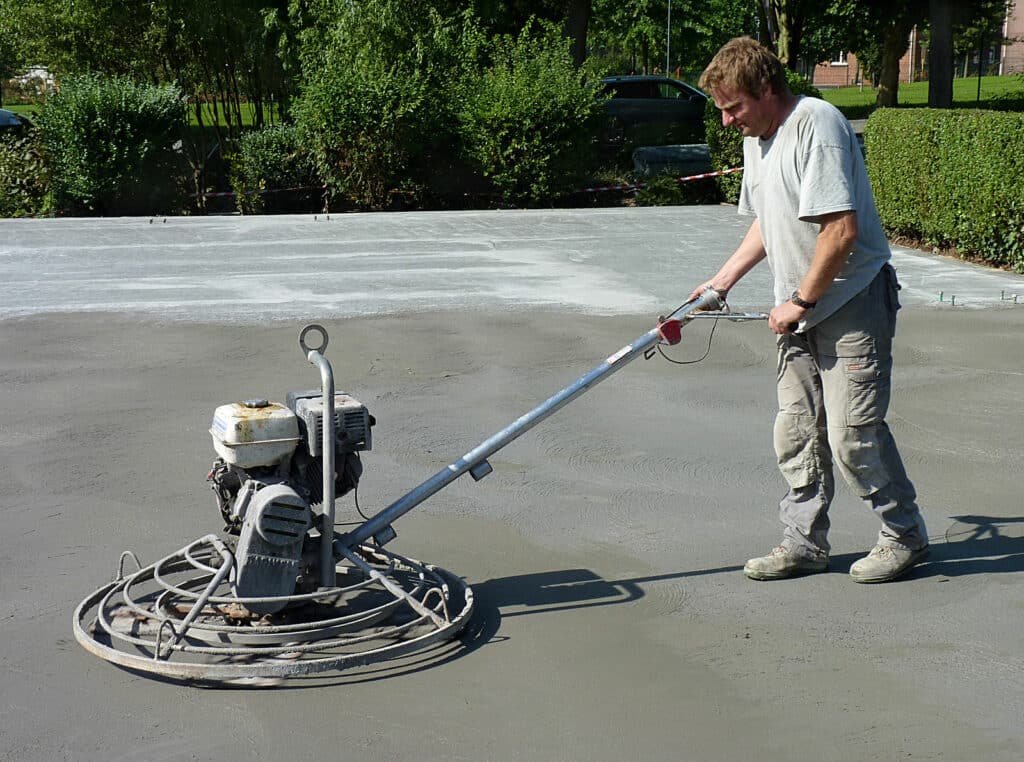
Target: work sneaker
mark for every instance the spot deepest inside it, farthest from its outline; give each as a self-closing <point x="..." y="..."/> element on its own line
<point x="884" y="563"/>
<point x="783" y="562"/>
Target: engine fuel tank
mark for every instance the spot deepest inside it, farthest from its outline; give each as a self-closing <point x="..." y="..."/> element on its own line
<point x="254" y="433"/>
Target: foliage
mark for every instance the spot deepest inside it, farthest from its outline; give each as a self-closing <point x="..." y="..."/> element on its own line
<point x="373" y="105"/>
<point x="223" y="55"/>
<point x="666" y="190"/>
<point x="725" y="144"/>
<point x="109" y="145"/>
<point x="977" y="24"/>
<point x="83" y="35"/>
<point x="272" y="159"/>
<point x="1011" y="99"/>
<point x="526" y="121"/>
<point x="630" y="35"/>
<point x="951" y="179"/>
<point x="24" y="177"/>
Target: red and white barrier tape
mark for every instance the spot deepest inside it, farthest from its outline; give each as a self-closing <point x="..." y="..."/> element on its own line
<point x="638" y="186"/>
<point x="226" y="194"/>
<point x="595" y="189"/>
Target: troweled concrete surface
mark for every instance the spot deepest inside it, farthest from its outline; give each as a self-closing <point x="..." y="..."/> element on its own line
<point x="603" y="261"/>
<point x="605" y="550"/>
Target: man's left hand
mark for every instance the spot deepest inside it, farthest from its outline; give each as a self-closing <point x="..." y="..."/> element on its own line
<point x="784" y="317"/>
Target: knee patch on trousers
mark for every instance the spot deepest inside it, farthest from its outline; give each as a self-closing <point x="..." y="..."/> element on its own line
<point x="797" y="449"/>
<point x="858" y="452"/>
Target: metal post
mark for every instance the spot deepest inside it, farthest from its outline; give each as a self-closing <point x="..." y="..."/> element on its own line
<point x="475" y="461"/>
<point x="668" y="38"/>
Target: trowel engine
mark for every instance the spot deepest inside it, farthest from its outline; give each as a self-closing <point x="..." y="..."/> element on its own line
<point x="268" y="478"/>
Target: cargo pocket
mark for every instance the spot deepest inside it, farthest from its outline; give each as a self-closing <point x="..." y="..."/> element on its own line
<point x="868" y="389"/>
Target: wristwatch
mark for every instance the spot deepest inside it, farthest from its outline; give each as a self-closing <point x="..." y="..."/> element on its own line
<point x="795" y="298"/>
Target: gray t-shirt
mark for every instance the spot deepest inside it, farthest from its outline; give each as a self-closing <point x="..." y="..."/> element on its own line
<point x="811" y="166"/>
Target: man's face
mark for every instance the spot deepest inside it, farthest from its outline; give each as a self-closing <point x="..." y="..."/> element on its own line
<point x="751" y="116"/>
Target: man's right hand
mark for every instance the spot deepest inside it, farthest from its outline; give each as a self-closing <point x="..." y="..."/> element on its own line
<point x="697" y="292"/>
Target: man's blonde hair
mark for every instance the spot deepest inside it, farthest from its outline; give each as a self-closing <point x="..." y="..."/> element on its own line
<point x="745" y="65"/>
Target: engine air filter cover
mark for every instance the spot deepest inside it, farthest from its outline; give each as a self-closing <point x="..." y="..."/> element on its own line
<point x="352" y="421"/>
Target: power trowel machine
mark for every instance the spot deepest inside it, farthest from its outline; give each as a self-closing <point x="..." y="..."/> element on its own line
<point x="279" y="593"/>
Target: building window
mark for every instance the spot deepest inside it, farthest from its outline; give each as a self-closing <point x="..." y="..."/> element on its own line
<point x="839" y="59"/>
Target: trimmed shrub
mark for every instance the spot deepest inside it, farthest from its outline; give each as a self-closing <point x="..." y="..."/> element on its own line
<point x="109" y="145"/>
<point x="725" y="144"/>
<point x="527" y="120"/>
<point x="666" y="190"/>
<point x="24" y="177"/>
<point x="269" y="161"/>
<point x="373" y="103"/>
<point x="951" y="179"/>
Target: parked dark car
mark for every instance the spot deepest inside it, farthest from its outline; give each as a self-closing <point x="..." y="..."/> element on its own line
<point x="11" y="122"/>
<point x="652" y="110"/>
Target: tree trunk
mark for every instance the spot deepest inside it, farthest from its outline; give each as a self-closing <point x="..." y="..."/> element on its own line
<point x="765" y="33"/>
<point x="788" y="19"/>
<point x="894" y="45"/>
<point x="577" y="19"/>
<point x="940" y="55"/>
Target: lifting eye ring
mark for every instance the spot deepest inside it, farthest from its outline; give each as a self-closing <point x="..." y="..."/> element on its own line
<point x="323" y="335"/>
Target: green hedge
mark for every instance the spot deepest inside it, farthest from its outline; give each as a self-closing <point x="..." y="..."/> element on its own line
<point x="951" y="179"/>
<point x="109" y="145"/>
<point x="373" y="103"/>
<point x="24" y="177"/>
<point x="725" y="144"/>
<point x="273" y="159"/>
<point x="526" y="120"/>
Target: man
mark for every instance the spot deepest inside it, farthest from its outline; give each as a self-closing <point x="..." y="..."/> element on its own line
<point x="815" y="221"/>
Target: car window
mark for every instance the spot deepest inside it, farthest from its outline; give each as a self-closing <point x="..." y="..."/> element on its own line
<point x="676" y="90"/>
<point x="627" y="89"/>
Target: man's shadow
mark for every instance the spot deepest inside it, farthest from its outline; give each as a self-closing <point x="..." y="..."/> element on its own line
<point x="972" y="544"/>
<point x="554" y="591"/>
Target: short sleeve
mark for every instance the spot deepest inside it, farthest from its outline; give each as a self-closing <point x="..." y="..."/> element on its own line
<point x="828" y="184"/>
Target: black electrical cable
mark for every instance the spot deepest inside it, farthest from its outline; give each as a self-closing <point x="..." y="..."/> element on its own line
<point x="711" y="335"/>
<point x="707" y="351"/>
<point x="355" y="499"/>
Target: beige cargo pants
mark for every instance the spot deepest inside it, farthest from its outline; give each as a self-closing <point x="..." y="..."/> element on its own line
<point x="834" y="386"/>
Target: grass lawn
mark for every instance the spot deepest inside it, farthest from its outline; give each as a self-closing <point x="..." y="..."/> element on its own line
<point x="858" y="101"/>
<point x="19" y="108"/>
<point x="270" y="113"/>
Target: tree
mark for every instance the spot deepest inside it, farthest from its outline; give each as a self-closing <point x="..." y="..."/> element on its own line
<point x="577" y="20"/>
<point x="373" y="103"/>
<point x="940" y="54"/>
<point x="976" y="33"/>
<point x="970" y="20"/>
<point x="888" y="24"/>
<point x="877" y="31"/>
<point x="630" y="34"/>
<point x="786" y="22"/>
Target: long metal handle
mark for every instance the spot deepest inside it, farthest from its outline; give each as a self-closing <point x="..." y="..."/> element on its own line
<point x="475" y="461"/>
